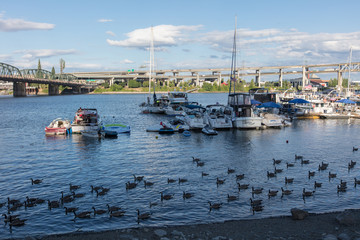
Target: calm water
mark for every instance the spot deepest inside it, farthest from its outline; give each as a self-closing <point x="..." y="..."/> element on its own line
<point x="26" y="153"/>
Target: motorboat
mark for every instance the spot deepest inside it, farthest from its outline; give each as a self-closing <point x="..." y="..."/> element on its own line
<point x="58" y="126"/>
<point x="272" y="120"/>
<point x="177" y="124"/>
<point x="208" y="130"/>
<point x="174" y="110"/>
<point x="92" y="134"/>
<point x="195" y="118"/>
<point x="218" y="116"/>
<point x="166" y="129"/>
<point x="177" y="97"/>
<point x="243" y="116"/>
<point x="86" y="119"/>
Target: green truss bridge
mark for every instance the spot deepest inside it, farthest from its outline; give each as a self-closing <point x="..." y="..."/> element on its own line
<point x="21" y="78"/>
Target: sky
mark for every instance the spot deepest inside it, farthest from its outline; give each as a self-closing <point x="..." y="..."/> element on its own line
<point x="115" y="35"/>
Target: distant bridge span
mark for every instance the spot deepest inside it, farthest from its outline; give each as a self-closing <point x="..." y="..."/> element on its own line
<point x="19" y="78"/>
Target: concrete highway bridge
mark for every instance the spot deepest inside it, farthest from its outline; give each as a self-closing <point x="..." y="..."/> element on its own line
<point x="198" y="76"/>
<point x="20" y="78"/>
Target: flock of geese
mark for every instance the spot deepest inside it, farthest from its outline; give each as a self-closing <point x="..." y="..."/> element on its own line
<point x="255" y="202"/>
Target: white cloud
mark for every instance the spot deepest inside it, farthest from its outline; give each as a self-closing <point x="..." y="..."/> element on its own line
<point x="164" y="36"/>
<point x="14" y="25"/>
<point x="104" y="20"/>
<point x="44" y="53"/>
<point x="110" y="33"/>
<point x="127" y="61"/>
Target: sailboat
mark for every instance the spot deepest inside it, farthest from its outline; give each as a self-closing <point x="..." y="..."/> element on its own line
<point x="157" y="105"/>
<point x="243" y="116"/>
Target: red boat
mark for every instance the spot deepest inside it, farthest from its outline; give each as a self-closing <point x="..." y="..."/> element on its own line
<point x="58" y="127"/>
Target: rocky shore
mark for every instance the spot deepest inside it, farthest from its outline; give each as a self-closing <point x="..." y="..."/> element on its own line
<point x="336" y="225"/>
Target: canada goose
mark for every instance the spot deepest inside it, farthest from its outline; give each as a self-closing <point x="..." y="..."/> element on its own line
<point x="17" y="222"/>
<point x="271" y="174"/>
<point x="78" y="195"/>
<point x="298" y="157"/>
<point x="12" y="201"/>
<point x="74" y="187"/>
<point x="305" y="161"/>
<point x="82" y="214"/>
<point x="169" y="180"/>
<point x="350" y="166"/>
<point x="187" y="195"/>
<point x="220" y="181"/>
<point x="203" y="174"/>
<point x="272" y="193"/>
<point x="240" y="176"/>
<point x="289" y="180"/>
<point x="342" y="183"/>
<point x="67" y="198"/>
<point x="355" y="149"/>
<point x="9" y="218"/>
<point x="231" y="197"/>
<point x="95" y="188"/>
<point x="278" y="170"/>
<point x="341" y="188"/>
<point x="182" y="180"/>
<point x="307" y="193"/>
<point x="289" y="165"/>
<point x="243" y="186"/>
<point x="147" y="183"/>
<point x="130" y="185"/>
<point x="117" y="214"/>
<point x="39" y="201"/>
<point x="102" y="193"/>
<point x="356" y="182"/>
<point x="256" y="190"/>
<point x="142" y="216"/>
<point x="317" y="184"/>
<point x="30" y="204"/>
<point x="352" y="163"/>
<point x="53" y="204"/>
<point x="30" y="200"/>
<point x="286" y="192"/>
<point x="113" y="208"/>
<point x="255" y="202"/>
<point x="200" y="164"/>
<point x="101" y="211"/>
<point x="71" y="209"/>
<point x="214" y="205"/>
<point x="276" y="161"/>
<point x="195" y="159"/>
<point x="105" y="189"/>
<point x="324" y="164"/>
<point x="332" y="175"/>
<point x="257" y="208"/>
<point x="36" y="181"/>
<point x="138" y="178"/>
<point x="231" y="170"/>
<point x="166" y="197"/>
<point x="311" y="174"/>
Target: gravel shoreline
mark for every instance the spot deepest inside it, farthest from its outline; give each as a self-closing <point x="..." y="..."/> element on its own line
<point x="335" y="225"/>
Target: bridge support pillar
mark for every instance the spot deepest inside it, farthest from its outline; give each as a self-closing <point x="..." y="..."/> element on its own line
<point x="19" y="89"/>
<point x="53" y="89"/>
<point x="258" y="78"/>
<point x="219" y="80"/>
<point x="303" y="77"/>
<point x="281" y="77"/>
<point x="197" y="80"/>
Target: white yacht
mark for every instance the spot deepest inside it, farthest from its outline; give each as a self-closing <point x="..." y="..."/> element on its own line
<point x="195" y="118"/>
<point x="243" y="116"/>
<point x="219" y="116"/>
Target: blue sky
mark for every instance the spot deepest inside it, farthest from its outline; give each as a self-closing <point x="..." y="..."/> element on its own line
<point x="115" y="35"/>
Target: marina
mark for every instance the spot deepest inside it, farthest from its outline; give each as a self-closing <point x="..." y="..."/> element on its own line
<point x="112" y="163"/>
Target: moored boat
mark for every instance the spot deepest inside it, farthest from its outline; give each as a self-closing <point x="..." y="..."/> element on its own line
<point x="58" y="127"/>
<point x="218" y="116"/>
<point x="118" y="128"/>
<point x="86" y="119"/>
<point x="208" y="130"/>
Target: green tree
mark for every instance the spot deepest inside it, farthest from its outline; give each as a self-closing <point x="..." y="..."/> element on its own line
<point x="252" y="84"/>
<point x="134" y="84"/>
<point x="38" y="72"/>
<point x="62" y="65"/>
<point x="53" y="73"/>
<point x="207" y="87"/>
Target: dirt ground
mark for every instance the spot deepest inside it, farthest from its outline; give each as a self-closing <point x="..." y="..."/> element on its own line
<point x="336" y="225"/>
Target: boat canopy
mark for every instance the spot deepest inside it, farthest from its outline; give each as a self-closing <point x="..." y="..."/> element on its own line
<point x="346" y="101"/>
<point x="269" y="105"/>
<point x="299" y="100"/>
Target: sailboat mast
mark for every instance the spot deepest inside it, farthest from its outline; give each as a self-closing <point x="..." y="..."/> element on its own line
<point x="151" y="59"/>
<point x="233" y="61"/>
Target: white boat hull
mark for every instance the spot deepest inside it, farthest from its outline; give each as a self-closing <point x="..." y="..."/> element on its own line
<point x="79" y="128"/>
<point x="247" y="122"/>
<point x="220" y="123"/>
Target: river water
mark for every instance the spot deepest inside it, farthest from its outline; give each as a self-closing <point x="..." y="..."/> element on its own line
<point x="26" y="153"/>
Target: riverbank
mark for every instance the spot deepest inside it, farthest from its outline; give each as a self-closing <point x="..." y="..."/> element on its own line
<point x="335" y="225"/>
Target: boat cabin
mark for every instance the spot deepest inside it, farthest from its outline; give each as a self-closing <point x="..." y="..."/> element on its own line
<point x="262" y="95"/>
<point x="241" y="104"/>
<point x="178" y="97"/>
